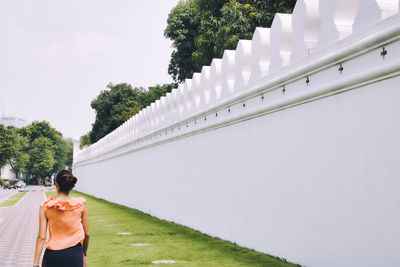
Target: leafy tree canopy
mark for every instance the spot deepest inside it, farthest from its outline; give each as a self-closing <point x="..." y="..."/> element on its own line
<point x="6" y="146"/>
<point x="60" y="147"/>
<point x="117" y="104"/>
<point x="85" y="140"/>
<point x="201" y="29"/>
<point x="40" y="129"/>
<point x="62" y="154"/>
<point x="20" y="156"/>
<point x="113" y="107"/>
<point x="23" y="148"/>
<point x="42" y="157"/>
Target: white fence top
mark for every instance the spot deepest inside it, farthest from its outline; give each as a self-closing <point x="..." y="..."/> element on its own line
<point x="319" y="34"/>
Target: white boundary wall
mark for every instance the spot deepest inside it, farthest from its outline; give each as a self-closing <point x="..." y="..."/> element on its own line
<point x="288" y="145"/>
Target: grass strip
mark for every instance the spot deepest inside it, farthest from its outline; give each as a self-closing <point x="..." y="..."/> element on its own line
<point x="12" y="200"/>
<point x="165" y="241"/>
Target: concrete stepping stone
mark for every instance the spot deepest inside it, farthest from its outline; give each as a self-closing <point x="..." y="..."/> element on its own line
<point x="140" y="245"/>
<point x="124" y="233"/>
<point x="163" y="261"/>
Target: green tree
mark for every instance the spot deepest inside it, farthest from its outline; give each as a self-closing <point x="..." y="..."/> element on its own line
<point x="117" y="104"/>
<point x="6" y="146"/>
<point x="201" y="29"/>
<point x="182" y="28"/>
<point x="61" y="149"/>
<point x="41" y="156"/>
<point x="19" y="157"/>
<point x="40" y="129"/>
<point x="113" y="107"/>
<point x="85" y="140"/>
<point x="154" y="93"/>
<point x="34" y="148"/>
<point x="70" y="149"/>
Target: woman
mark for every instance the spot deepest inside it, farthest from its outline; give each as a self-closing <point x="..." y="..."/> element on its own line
<point x="68" y="227"/>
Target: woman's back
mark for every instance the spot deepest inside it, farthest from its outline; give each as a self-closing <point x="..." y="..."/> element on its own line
<point x="65" y="222"/>
<point x="67" y="219"/>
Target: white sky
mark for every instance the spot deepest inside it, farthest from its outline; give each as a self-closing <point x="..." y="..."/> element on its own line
<point x="57" y="55"/>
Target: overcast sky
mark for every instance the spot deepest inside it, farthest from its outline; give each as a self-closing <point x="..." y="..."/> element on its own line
<point x="57" y="55"/>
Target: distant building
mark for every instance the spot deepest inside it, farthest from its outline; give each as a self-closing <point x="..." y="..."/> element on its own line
<point x="7" y="173"/>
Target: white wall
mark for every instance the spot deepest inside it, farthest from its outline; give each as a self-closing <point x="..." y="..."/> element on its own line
<point x="309" y="174"/>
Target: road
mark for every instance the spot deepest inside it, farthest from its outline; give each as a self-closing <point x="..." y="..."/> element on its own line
<point x="18" y="229"/>
<point x="6" y="193"/>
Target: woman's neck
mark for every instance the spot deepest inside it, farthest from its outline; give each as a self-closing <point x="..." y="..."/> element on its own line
<point x="62" y="195"/>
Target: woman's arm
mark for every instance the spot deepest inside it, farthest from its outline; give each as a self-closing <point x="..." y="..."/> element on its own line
<point x="41" y="238"/>
<point x="85" y="224"/>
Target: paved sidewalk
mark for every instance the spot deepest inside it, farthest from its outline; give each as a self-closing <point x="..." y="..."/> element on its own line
<point x="18" y="230"/>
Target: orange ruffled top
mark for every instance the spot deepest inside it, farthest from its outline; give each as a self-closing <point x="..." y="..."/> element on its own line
<point x="65" y="222"/>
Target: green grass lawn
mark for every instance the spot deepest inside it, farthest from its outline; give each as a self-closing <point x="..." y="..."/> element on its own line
<point x="12" y="200"/>
<point x="167" y="241"/>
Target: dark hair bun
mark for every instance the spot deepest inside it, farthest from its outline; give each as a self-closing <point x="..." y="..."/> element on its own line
<point x="66" y="181"/>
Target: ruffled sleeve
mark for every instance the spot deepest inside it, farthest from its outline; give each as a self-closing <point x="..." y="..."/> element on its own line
<point x="70" y="204"/>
